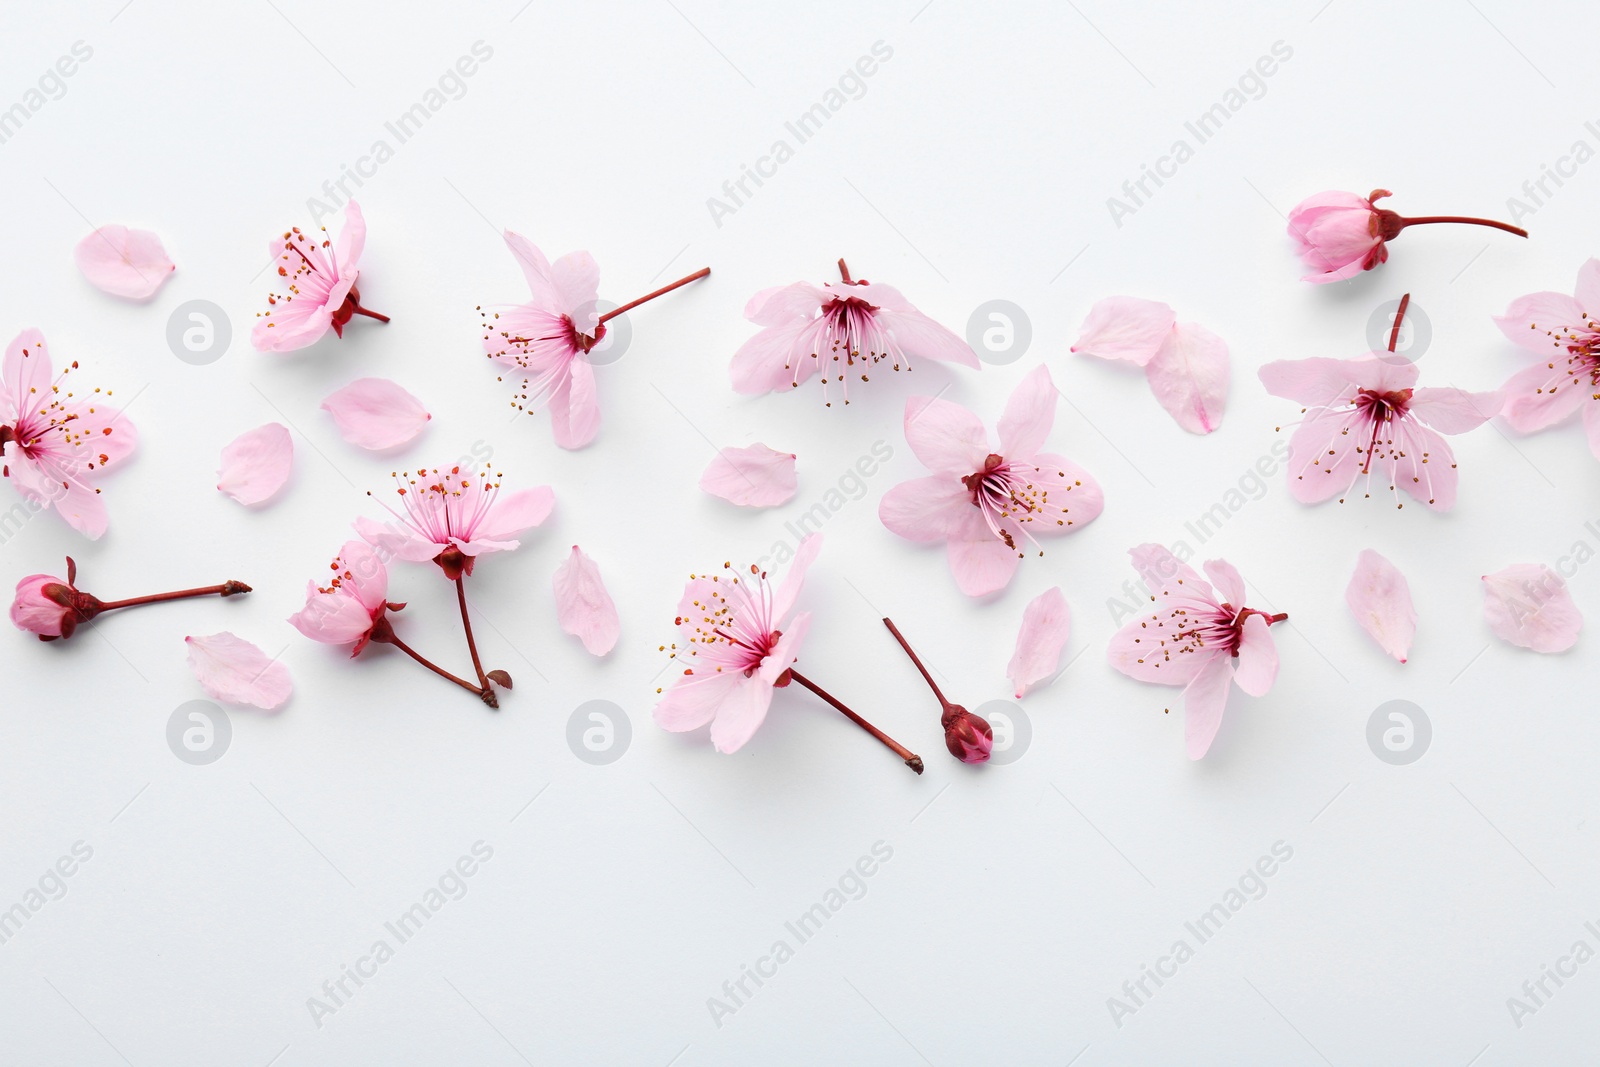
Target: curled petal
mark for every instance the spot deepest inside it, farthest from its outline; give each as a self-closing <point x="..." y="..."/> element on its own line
<point x="256" y="464"/>
<point x="754" y="477"/>
<point x="375" y="413"/>
<point x="1125" y="327"/>
<point x="1380" y="599"/>
<point x="124" y="262"/>
<point x="583" y="606"/>
<point x="233" y="670"/>
<point x="1046" y="624"/>
<point x="1189" y="376"/>
<point x="1528" y="605"/>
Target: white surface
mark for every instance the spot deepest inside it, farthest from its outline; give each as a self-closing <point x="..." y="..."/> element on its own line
<point x="1019" y="898"/>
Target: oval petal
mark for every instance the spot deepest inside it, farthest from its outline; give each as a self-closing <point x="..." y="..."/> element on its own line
<point x="754" y="477"/>
<point x="234" y="671"/>
<point x="1046" y="625"/>
<point x="124" y="262"/>
<point x="584" y="608"/>
<point x="1528" y="605"/>
<point x="1380" y="599"/>
<point x="375" y="413"/>
<point x="256" y="463"/>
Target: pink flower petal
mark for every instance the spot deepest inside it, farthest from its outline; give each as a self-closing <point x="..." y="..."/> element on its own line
<point x="1256" y="663"/>
<point x="1308" y="382"/>
<point x="1030" y="412"/>
<point x="1227" y="581"/>
<point x="754" y="477"/>
<point x="583" y="606"/>
<point x="1536" y="320"/>
<point x="1528" y="605"/>
<point x="1539" y="397"/>
<point x="1046" y="624"/>
<point x="1125" y="327"/>
<point x="946" y="437"/>
<point x="575" y="407"/>
<point x="922" y="338"/>
<point x="740" y="714"/>
<point x="1380" y="599"/>
<point x="935" y="508"/>
<point x="783" y="653"/>
<point x="1451" y="410"/>
<point x="982" y="567"/>
<point x="1205" y="698"/>
<point x="124" y="262"/>
<point x="1189" y="376"/>
<point x="256" y="464"/>
<point x="233" y="670"/>
<point x="376" y="414"/>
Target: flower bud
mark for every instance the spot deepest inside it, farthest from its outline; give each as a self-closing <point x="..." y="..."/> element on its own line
<point x="968" y="736"/>
<point x="51" y="607"/>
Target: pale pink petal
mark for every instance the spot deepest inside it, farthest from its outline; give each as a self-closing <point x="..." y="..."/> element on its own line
<point x="124" y="262"/>
<point x="1030" y="412"/>
<point x="1308" y="382"/>
<point x="753" y="477"/>
<point x="982" y="567"/>
<point x="783" y="653"/>
<point x="1380" y="599"/>
<point x="787" y="593"/>
<point x="1205" y="698"/>
<point x="740" y="714"/>
<point x="1541" y="396"/>
<point x="233" y="670"/>
<point x="330" y="618"/>
<point x="375" y="413"/>
<point x="536" y="269"/>
<point x="1591" y="426"/>
<point x="397" y="540"/>
<point x="1139" y="651"/>
<point x="1426" y="468"/>
<point x="350" y="243"/>
<point x="1451" y="410"/>
<point x="935" y="508"/>
<point x="1587" y="290"/>
<point x="771" y="360"/>
<point x="1189" y="375"/>
<point x="946" y="437"/>
<point x="577" y="280"/>
<point x="1046" y="625"/>
<point x="694" y="700"/>
<point x="1539" y="322"/>
<point x="575" y="406"/>
<point x="583" y="606"/>
<point x="1323" y="461"/>
<point x="1528" y="605"/>
<point x="27" y="375"/>
<point x="1255" y="666"/>
<point x="921" y="338"/>
<point x="1164" y="574"/>
<point x="1228" y="582"/>
<point x="256" y="463"/>
<point x="516" y="513"/>
<point x="785" y="305"/>
<point x="1125" y="327"/>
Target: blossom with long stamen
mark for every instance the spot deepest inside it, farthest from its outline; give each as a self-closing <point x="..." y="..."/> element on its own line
<point x="1199" y="635"/>
<point x="319" y="279"/>
<point x="985" y="501"/>
<point x="1564" y="332"/>
<point x="838" y="330"/>
<point x="54" y="443"/>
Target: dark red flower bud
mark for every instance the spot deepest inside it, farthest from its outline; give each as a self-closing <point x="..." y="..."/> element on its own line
<point x="967" y="736"/>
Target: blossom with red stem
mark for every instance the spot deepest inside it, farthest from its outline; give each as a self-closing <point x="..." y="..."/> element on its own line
<point x="1368" y="413"/>
<point x="550" y="337"/>
<point x="1342" y="234"/>
<point x="55" y="444"/>
<point x="319" y="277"/>
<point x="969" y="737"/>
<point x="839" y="330"/>
<point x="740" y="640"/>
<point x="1564" y="333"/>
<point x="54" y="608"/>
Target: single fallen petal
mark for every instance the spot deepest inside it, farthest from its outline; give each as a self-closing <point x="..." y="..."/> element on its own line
<point x="1380" y="599"/>
<point x="1189" y="376"/>
<point x="754" y="477"/>
<point x="1125" y="327"/>
<point x="583" y="606"/>
<point x="124" y="262"/>
<point x="1046" y="624"/>
<point x="375" y="413"/>
<point x="233" y="670"/>
<point x="1528" y="605"/>
<point x="256" y="463"/>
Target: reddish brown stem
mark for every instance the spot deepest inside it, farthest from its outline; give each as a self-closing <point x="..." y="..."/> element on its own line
<point x="484" y="693"/>
<point x="466" y="624"/>
<point x="1426" y="220"/>
<point x="369" y="313"/>
<point x="1399" y="315"/>
<point x="844" y="272"/>
<point x="898" y="636"/>
<point x="228" y="588"/>
<point x="912" y="760"/>
<point x="614" y="312"/>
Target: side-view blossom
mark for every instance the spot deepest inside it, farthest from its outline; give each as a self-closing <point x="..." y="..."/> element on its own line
<point x="1046" y="625"/>
<point x="1380" y="599"/>
<point x="319" y="286"/>
<point x="1186" y="364"/>
<point x="753" y="477"/>
<point x="1527" y="605"/>
<point x="967" y="736"/>
<point x="1198" y="635"/>
<point x="53" y="608"/>
<point x="123" y="262"/>
<point x="256" y="464"/>
<point x="233" y="670"/>
<point x="1342" y="234"/>
<point x="983" y="499"/>
<point x="451" y="517"/>
<point x="1564" y="333"/>
<point x="840" y="331"/>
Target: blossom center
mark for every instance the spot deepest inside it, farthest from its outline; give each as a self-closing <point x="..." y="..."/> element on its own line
<point x="583" y="342"/>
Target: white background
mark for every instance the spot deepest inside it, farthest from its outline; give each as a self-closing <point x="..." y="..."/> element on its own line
<point x="1019" y="898"/>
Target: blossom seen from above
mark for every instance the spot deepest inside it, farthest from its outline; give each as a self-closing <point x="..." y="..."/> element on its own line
<point x="550" y="338"/>
<point x="988" y="500"/>
<point x="1186" y="364"/>
<point x="1199" y="635"/>
<point x="318" y="279"/>
<point x="123" y="262"/>
<point x="453" y="516"/>
<point x="1564" y="333"/>
<point x="839" y="331"/>
<point x="55" y="443"/>
<point x="1341" y="234"/>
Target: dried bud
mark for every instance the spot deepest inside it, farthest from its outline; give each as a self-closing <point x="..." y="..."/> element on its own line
<point x="967" y="736"/>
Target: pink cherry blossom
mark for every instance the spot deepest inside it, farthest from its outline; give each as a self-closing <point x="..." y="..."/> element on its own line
<point x="351" y="609"/>
<point x="376" y="414"/>
<point x="551" y="336"/>
<point x="1380" y="599"/>
<point x="1342" y="234"/>
<point x="585" y="609"/>
<point x="233" y="670"/>
<point x="1046" y="625"/>
<point x="1199" y="635"/>
<point x="256" y="464"/>
<point x="319" y="279"/>
<point x="57" y="444"/>
<point x="842" y="330"/>
<point x="1186" y="364"/>
<point x="124" y="262"/>
<point x="43" y="605"/>
<point x="452" y="517"/>
<point x="1564" y="333"/>
<point x="753" y="477"/>
<point x="983" y="499"/>
<point x="1528" y="605"/>
<point x="1366" y="417"/>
